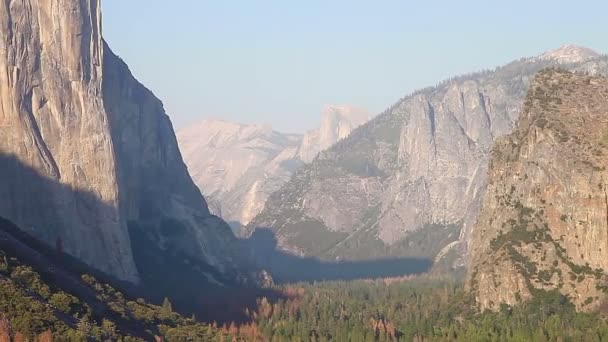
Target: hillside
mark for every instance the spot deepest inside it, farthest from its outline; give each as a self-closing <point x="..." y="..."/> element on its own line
<point x="410" y="182"/>
<point x="52" y="296"/>
<point x="543" y="226"/>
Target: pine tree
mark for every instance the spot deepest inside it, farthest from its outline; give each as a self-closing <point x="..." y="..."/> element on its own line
<point x="167" y="306"/>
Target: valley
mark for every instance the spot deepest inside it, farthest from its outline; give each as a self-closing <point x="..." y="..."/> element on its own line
<point x="410" y="183"/>
<point x="472" y="210"/>
<point x="238" y="166"/>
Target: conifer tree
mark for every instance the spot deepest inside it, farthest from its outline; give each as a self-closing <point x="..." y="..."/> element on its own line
<point x="167" y="306"/>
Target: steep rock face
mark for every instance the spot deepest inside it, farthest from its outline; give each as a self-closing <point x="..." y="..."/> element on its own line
<point x="100" y="145"/>
<point x="544" y="222"/>
<point x="337" y="123"/>
<point x="156" y="191"/>
<point x="239" y="166"/>
<point x="52" y="120"/>
<point x="409" y="182"/>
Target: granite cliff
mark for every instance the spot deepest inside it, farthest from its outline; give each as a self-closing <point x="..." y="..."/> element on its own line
<point x="238" y="166"/>
<point x="90" y="162"/>
<point x="409" y="182"/>
<point x="543" y="225"/>
<point x="337" y="122"/>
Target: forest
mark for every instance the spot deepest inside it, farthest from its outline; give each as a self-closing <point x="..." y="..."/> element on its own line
<point x="62" y="300"/>
<point x="421" y="308"/>
<point x="414" y="308"/>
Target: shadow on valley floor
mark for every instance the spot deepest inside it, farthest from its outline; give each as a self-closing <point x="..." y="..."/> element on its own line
<point x="43" y="207"/>
<point x="286" y="268"/>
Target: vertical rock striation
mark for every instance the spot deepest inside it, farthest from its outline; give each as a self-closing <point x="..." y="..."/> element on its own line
<point x="337" y="122"/>
<point x="409" y="182"/>
<point x="86" y="150"/>
<point x="544" y="221"/>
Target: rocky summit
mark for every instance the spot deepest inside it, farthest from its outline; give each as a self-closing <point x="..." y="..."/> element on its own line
<point x="543" y="225"/>
<point x="337" y="122"/>
<point x="89" y="162"/>
<point x="411" y="181"/>
<point x="570" y="54"/>
<point x="238" y="166"/>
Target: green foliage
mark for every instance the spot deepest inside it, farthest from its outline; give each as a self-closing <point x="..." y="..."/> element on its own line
<point x="34" y="304"/>
<point x="418" y="310"/>
<point x="422" y="309"/>
<point x="422" y="243"/>
<point x="314" y="237"/>
<point x="63" y="302"/>
<point x="26" y="277"/>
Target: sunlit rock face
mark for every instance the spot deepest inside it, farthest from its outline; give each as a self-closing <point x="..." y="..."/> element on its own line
<point x="544" y="221"/>
<point x="337" y="123"/>
<point x="87" y="151"/>
<point x="410" y="182"/>
<point x="570" y="54"/>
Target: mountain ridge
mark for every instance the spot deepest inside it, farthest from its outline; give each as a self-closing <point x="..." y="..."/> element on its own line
<point x="239" y="165"/>
<point x="406" y="168"/>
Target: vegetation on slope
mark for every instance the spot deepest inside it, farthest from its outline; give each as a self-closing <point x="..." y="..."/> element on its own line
<point x="36" y="305"/>
<point x="55" y="300"/>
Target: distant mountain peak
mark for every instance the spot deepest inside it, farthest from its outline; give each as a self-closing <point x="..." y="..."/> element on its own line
<point x="238" y="166"/>
<point x="351" y="114"/>
<point x="337" y="122"/>
<point x="569" y="54"/>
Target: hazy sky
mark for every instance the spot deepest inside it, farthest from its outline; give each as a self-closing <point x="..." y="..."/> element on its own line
<point x="279" y="62"/>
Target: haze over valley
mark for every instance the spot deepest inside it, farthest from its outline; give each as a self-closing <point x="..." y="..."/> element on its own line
<point x="238" y="166"/>
<point x="473" y="209"/>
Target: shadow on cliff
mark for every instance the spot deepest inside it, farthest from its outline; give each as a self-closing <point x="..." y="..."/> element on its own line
<point x="25" y="194"/>
<point x="163" y="273"/>
<point x="288" y="268"/>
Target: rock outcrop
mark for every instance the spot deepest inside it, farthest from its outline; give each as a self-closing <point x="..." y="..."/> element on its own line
<point x="409" y="182"/>
<point x="101" y="147"/>
<point x="568" y="54"/>
<point x="238" y="166"/>
<point x="337" y="123"/>
<point x="544" y="221"/>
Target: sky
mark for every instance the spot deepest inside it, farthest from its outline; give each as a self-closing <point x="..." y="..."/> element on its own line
<point x="278" y="62"/>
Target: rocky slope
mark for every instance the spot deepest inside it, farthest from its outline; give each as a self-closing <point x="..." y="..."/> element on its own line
<point x="238" y="166"/>
<point x="409" y="182"/>
<point x="544" y="221"/>
<point x="89" y="157"/>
